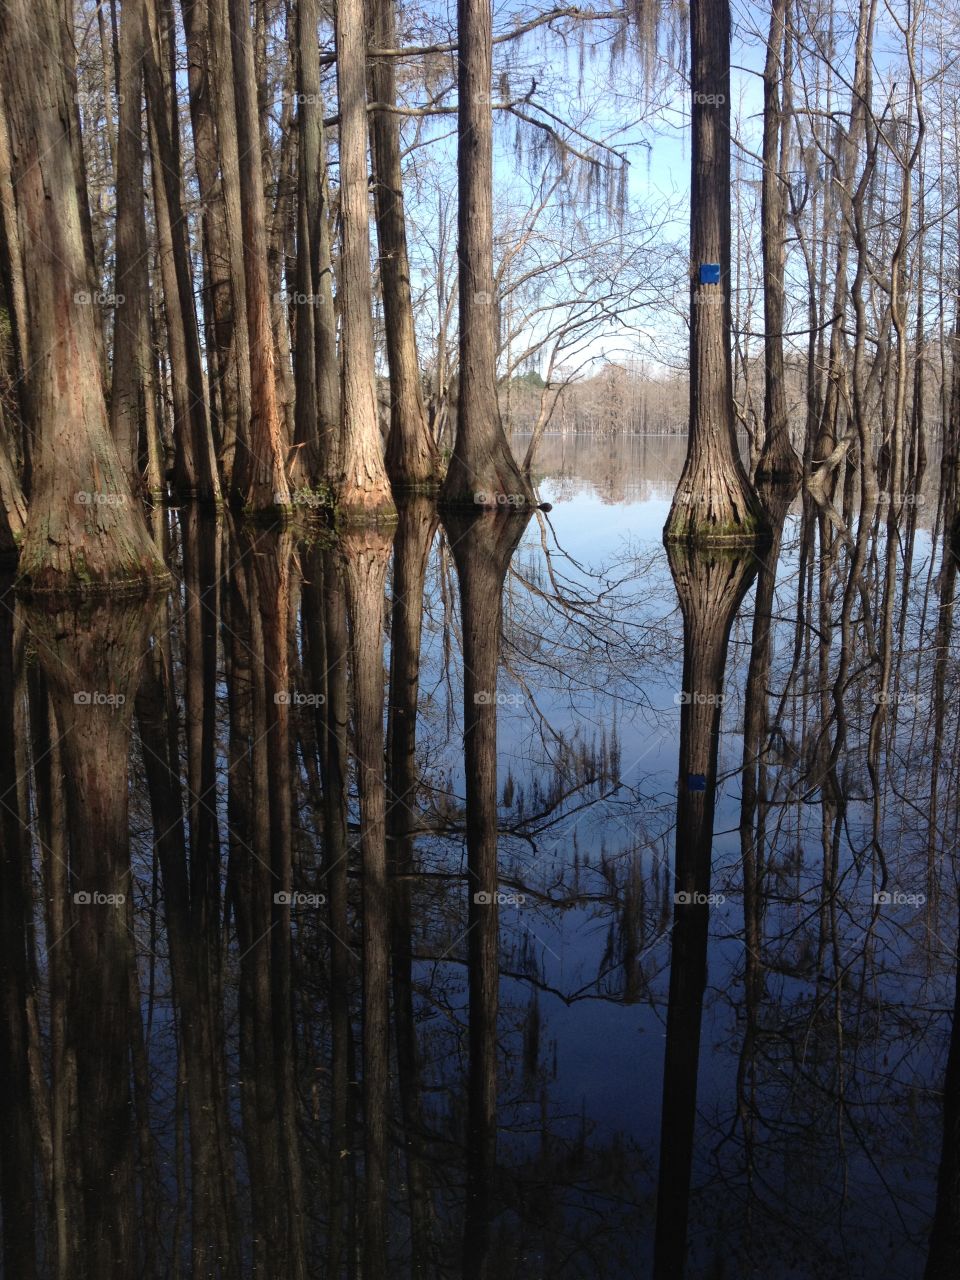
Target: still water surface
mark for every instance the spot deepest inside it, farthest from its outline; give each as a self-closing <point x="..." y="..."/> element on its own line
<point x="620" y="927"/>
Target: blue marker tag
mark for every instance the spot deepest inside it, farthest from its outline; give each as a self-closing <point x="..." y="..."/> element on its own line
<point x="709" y="272"/>
<point x="696" y="782"/>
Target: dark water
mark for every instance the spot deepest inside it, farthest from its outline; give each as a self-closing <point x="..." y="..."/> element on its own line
<point x="713" y="801"/>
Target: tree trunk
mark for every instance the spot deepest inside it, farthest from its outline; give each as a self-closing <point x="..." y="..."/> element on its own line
<point x="261" y="464"/>
<point x="230" y="357"/>
<point x="483" y="470"/>
<point x="714" y="502"/>
<point x="127" y="397"/>
<point x="317" y="371"/>
<point x="195" y="472"/>
<point x="14" y="290"/>
<point x="363" y="488"/>
<point x="778" y="458"/>
<point x="412" y="458"/>
<point x="71" y="542"/>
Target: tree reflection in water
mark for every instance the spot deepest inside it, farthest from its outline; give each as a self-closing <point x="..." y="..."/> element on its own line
<point x="400" y="983"/>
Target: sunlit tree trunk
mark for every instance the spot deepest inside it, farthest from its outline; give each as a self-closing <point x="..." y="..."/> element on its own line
<point x="482" y="469"/>
<point x="778" y="458"/>
<point x="412" y="458"/>
<point x="261" y="466"/>
<point x="14" y="284"/>
<point x="316" y="370"/>
<point x="229" y="354"/>
<point x="714" y="501"/>
<point x="69" y="543"/>
<point x="195" y="473"/>
<point x="131" y="247"/>
<point x="363" y="488"/>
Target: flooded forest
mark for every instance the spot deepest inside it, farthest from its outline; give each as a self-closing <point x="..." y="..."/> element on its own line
<point x="479" y="682"/>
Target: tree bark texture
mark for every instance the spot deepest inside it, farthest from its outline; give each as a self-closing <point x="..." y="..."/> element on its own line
<point x="482" y="470"/>
<point x="714" y="502"/>
<point x="71" y="542"/>
<point x="363" y="488"/>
